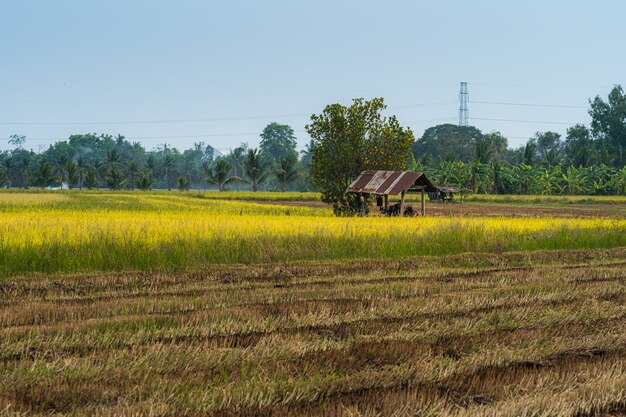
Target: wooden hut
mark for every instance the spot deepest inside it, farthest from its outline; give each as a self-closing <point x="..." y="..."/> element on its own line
<point x="443" y="194"/>
<point x="382" y="184"/>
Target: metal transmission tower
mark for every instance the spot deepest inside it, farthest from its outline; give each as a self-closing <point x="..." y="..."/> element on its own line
<point x="463" y="108"/>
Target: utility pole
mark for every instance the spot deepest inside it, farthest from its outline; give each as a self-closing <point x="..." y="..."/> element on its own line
<point x="463" y="107"/>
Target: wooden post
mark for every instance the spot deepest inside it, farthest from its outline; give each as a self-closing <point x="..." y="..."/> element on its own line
<point x="386" y="203"/>
<point x="402" y="205"/>
<point x="423" y="203"/>
<point x="364" y="207"/>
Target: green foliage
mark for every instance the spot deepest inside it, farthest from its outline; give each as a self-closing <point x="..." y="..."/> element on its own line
<point x="579" y="148"/>
<point x="17" y="140"/>
<point x="73" y="174"/>
<point x="609" y="123"/>
<point x="115" y="180"/>
<point x="4" y="179"/>
<point x="349" y="140"/>
<point x="499" y="177"/>
<point x="44" y="176"/>
<point x="145" y="182"/>
<point x="256" y="168"/>
<point x="278" y="142"/>
<point x="447" y="142"/>
<point x="183" y="184"/>
<point x="91" y="180"/>
<point x="219" y="173"/>
<point x="286" y="171"/>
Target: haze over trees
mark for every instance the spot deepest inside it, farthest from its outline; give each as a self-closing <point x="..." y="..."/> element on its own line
<point x="104" y="161"/>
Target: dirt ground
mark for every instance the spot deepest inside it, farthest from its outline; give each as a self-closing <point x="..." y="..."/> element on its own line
<point x="494" y="210"/>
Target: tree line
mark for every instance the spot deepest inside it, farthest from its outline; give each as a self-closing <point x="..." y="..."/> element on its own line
<point x="589" y="160"/>
<point x="345" y="140"/>
<point x="350" y="139"/>
<point x="103" y="161"/>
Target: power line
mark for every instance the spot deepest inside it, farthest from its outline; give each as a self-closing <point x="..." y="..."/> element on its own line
<point x="146" y="122"/>
<point x="213" y="119"/>
<point x="200" y="98"/>
<point x="504" y="103"/>
<point x="412" y="106"/>
<point x="544" y="85"/>
<point x="525" y="121"/>
<point x="206" y="135"/>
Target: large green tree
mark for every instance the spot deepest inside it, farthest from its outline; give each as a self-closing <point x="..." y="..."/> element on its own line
<point x="447" y="142"/>
<point x="277" y="142"/>
<point x="608" y="123"/>
<point x="350" y="139"/>
<point x="579" y="148"/>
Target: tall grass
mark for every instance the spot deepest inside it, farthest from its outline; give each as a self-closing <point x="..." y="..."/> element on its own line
<point x="161" y="232"/>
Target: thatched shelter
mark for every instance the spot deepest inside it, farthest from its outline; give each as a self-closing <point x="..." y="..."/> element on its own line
<point x="382" y="184"/>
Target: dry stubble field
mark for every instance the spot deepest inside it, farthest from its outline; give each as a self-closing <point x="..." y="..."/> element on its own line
<point x="525" y="333"/>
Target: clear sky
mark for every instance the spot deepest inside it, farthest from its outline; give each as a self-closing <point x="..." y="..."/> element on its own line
<point x="189" y="70"/>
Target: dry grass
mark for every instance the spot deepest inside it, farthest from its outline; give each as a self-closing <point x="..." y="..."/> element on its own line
<point x="464" y="335"/>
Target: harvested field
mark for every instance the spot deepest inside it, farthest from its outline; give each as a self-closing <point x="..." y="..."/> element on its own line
<point x="465" y="335"/>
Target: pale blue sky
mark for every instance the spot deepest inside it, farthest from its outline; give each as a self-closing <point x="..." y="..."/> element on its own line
<point x="232" y="63"/>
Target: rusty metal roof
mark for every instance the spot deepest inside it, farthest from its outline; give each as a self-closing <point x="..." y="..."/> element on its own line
<point x="389" y="182"/>
<point x="448" y="189"/>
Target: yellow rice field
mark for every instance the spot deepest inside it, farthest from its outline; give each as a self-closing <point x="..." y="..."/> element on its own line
<point x="74" y="232"/>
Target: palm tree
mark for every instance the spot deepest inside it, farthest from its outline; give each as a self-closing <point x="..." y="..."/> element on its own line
<point x="255" y="168"/>
<point x="99" y="169"/>
<point x="168" y="164"/>
<point x="307" y="153"/>
<point x="219" y="173"/>
<point x="286" y="171"/>
<point x="9" y="166"/>
<point x="91" y="179"/>
<point x="61" y="165"/>
<point x="237" y="158"/>
<point x="145" y="181"/>
<point x="4" y="179"/>
<point x="483" y="154"/>
<point x="497" y="170"/>
<point x="82" y="165"/>
<point x="183" y="184"/>
<point x="552" y="157"/>
<point x="483" y="151"/>
<point x="133" y="173"/>
<point x="44" y="176"/>
<point x="73" y="174"/>
<point x="530" y="153"/>
<point x="151" y="165"/>
<point x="115" y="180"/>
<point x="23" y="169"/>
<point x="113" y="159"/>
<point x="119" y="140"/>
